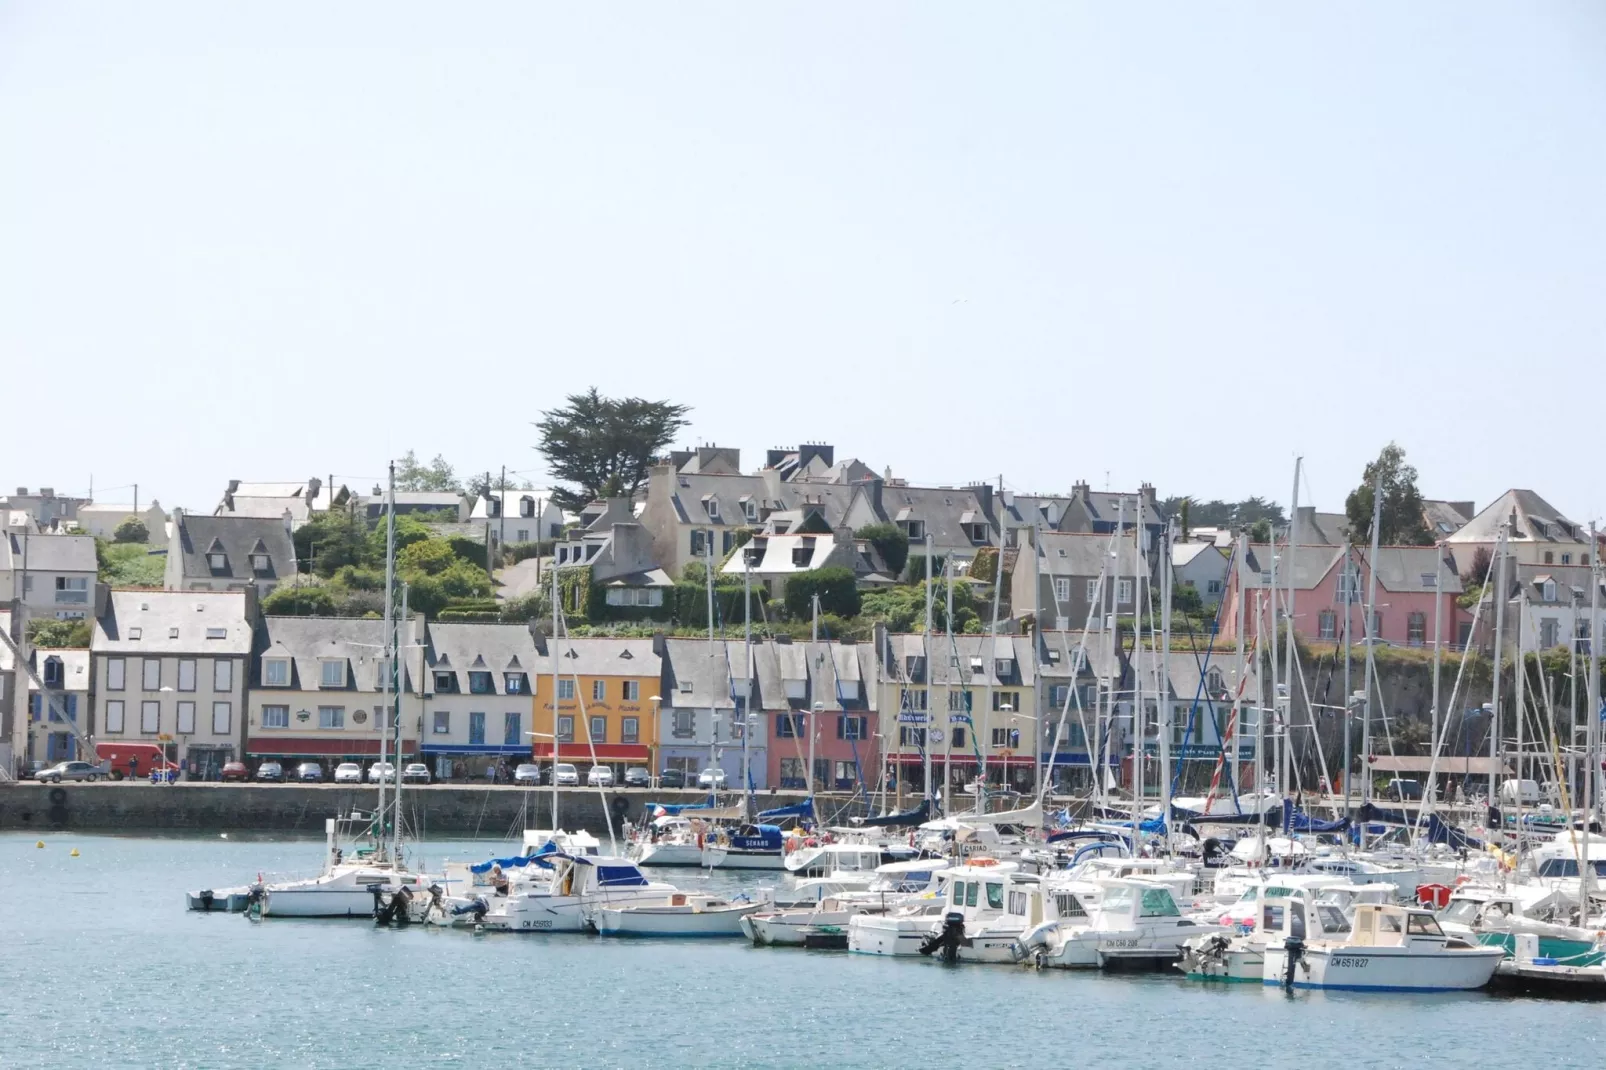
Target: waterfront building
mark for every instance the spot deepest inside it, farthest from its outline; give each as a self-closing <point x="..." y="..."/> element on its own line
<point x="317" y="686"/>
<point x="170" y="667"/>
<point x="478" y="697"/>
<point x="978" y="696"/>
<point x="703" y="714"/>
<point x="66" y="673"/>
<point x="52" y="575"/>
<point x="826" y="688"/>
<point x="607" y="693"/>
<point x="224" y="553"/>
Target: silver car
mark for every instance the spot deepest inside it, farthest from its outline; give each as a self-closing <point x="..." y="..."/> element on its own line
<point x="69" y="771"/>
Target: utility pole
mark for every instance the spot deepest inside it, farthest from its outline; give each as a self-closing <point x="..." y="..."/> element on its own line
<point x="501" y="512"/>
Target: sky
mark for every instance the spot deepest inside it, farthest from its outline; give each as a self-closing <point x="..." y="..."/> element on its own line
<point x="1180" y="244"/>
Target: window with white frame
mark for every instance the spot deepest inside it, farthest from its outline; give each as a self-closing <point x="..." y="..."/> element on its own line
<point x="632" y="690"/>
<point x="331" y="716"/>
<point x="599" y="730"/>
<point x="276" y="717"/>
<point x="223" y="675"/>
<point x="186" y="718"/>
<point x="115" y="668"/>
<point x="1123" y="592"/>
<point x="513" y="683"/>
<point x="114" y="715"/>
<point x="222" y="718"/>
<point x="630" y="730"/>
<point x="1550" y="590"/>
<point x="217" y="562"/>
<point x="151" y="674"/>
<point x="912" y="699"/>
<point x="150" y="717"/>
<point x="1062" y="588"/>
<point x="332" y="672"/>
<point x="599" y="691"/>
<point x="1213" y="587"/>
<point x="566" y="690"/>
<point x="260" y="564"/>
<point x="566" y="729"/>
<point x="443" y="723"/>
<point x="685" y="726"/>
<point x="186" y="675"/>
<point x="1092" y="590"/>
<point x="1327" y="624"/>
<point x="276" y="672"/>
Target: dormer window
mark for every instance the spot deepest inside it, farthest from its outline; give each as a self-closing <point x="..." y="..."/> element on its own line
<point x="712" y="504"/>
<point x="217" y="562"/>
<point x="1550" y="590"/>
<point x="479" y="683"/>
<point x="750" y="509"/>
<point x="276" y="672"/>
<point x="445" y="683"/>
<point x="526" y="506"/>
<point x="1003" y="668"/>
<point x="917" y="529"/>
<point x="975" y="666"/>
<point x="332" y="672"/>
<point x="135" y="633"/>
<point x="260" y="564"/>
<point x="513" y="683"/>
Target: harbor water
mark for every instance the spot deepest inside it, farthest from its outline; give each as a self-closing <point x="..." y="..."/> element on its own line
<point x="102" y="966"/>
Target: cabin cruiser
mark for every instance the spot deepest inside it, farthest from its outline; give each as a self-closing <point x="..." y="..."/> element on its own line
<point x="893" y="885"/>
<point x="1555" y="863"/>
<point x="988" y="907"/>
<point x="1498" y="917"/>
<point x="1136" y="922"/>
<point x="1183" y="883"/>
<point x="828" y="859"/>
<point x="562" y="899"/>
<point x="1384" y="947"/>
<point x="1239" y="953"/>
<point x="677" y="914"/>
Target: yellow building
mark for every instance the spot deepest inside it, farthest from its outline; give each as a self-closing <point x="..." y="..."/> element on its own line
<point x="606" y="701"/>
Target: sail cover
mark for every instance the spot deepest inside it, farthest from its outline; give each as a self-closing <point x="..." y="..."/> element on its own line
<point x="918" y="816"/>
<point x="804" y="809"/>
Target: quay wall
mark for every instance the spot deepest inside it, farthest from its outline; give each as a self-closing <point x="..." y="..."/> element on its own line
<point x="433" y="811"/>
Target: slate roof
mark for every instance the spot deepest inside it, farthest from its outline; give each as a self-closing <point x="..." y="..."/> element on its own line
<point x="1536" y="520"/>
<point x="309" y="641"/>
<point x="461" y="648"/>
<point x="48" y="553"/>
<point x="173" y="622"/>
<point x="237" y="538"/>
<point x="601" y="656"/>
<point x="1065" y="554"/>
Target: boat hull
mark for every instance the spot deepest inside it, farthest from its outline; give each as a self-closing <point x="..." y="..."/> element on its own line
<point x="221" y="900"/>
<point x="318" y="903"/>
<point x="732" y="858"/>
<point x="896" y="935"/>
<point x="1385" y="968"/>
<point x="687" y="855"/>
<point x="674" y="922"/>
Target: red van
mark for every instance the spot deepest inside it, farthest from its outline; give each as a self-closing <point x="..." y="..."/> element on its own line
<point x="133" y="759"/>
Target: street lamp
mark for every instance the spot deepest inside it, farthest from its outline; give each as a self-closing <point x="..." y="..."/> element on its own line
<point x="657" y="730"/>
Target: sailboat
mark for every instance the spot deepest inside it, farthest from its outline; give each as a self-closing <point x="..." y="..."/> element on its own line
<point x="358" y="870"/>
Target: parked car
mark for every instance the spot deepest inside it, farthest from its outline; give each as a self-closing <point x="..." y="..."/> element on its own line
<point x="600" y="776"/>
<point x="416" y="773"/>
<point x="234" y="771"/>
<point x="348" y="773"/>
<point x="637" y="777"/>
<point x="1405" y="789"/>
<point x="567" y="774"/>
<point x="381" y="771"/>
<point x="672" y="778"/>
<point x="527" y="773"/>
<point x="37" y="767"/>
<point x="310" y="772"/>
<point x="711" y="777"/>
<point x="70" y="771"/>
<point x="270" y="773"/>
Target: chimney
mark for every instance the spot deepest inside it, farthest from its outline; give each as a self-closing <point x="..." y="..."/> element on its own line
<point x="1466" y="509"/>
<point x="1146" y="495"/>
<point x="810" y="450"/>
<point x="313" y="486"/>
<point x="660" y="646"/>
<point x="47" y="492"/>
<point x="984" y="495"/>
<point x="1080" y="489"/>
<point x="22" y="492"/>
<point x="872" y="490"/>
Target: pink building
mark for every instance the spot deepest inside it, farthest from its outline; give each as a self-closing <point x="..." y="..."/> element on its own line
<point x="1330" y="579"/>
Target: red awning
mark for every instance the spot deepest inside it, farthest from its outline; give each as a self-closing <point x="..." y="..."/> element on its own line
<point x="963" y="759"/>
<point x="320" y="747"/>
<point x="606" y="752"/>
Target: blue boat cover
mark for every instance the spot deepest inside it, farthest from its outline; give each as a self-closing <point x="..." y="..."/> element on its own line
<point x="674" y="809"/>
<point x="799" y="810"/>
<point x="918" y="816"/>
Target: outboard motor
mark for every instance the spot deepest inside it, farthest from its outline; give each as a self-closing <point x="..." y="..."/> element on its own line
<point x="1293" y="952"/>
<point x="945" y="942"/>
<point x="206" y="898"/>
<point x="253" y="901"/>
<point x="1031" y="944"/>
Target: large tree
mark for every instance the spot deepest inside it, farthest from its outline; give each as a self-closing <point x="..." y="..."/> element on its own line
<point x="437" y="475"/>
<point x="605" y="445"/>
<point x="1401" y="523"/>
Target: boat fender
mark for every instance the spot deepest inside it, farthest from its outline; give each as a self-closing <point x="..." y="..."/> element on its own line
<point x="58" y="795"/>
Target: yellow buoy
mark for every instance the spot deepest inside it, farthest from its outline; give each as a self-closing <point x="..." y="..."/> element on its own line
<point x="74" y="852"/>
<point x="41" y="843"/>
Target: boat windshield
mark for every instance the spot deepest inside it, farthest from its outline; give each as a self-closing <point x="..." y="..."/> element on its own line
<point x="1568" y="867"/>
<point x="1463" y="911"/>
<point x="1423" y="925"/>
<point x="1157" y="903"/>
<point x="1332" y="919"/>
<point x="995" y="896"/>
<point x="1117" y="900"/>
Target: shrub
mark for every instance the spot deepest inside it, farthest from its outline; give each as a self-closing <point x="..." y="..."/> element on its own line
<point x="836" y="587"/>
<point x="890" y="542"/>
<point x="311" y="600"/>
<point x="132" y="529"/>
<point x="58" y="633"/>
<point x="515" y="552"/>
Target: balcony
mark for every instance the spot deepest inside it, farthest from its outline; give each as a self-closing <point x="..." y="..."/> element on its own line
<point x="72" y="598"/>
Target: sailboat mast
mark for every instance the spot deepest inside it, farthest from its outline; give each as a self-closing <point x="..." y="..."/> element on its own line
<point x="1164" y="698"/>
<point x="992" y="673"/>
<point x="1499" y="655"/>
<point x="398" y="677"/>
<point x="1238" y="688"/>
<point x="1438" y="645"/>
<point x="1288" y="645"/>
<point x="1370" y="631"/>
<point x="952" y="658"/>
<point x="553" y="648"/>
<point x="1591" y="801"/>
<point x="747" y="697"/>
<point x="1520" y="698"/>
<point x="925" y="649"/>
<point x="816" y="706"/>
<point x="1140" y="717"/>
<point x="713" y="713"/>
<point x="388" y="650"/>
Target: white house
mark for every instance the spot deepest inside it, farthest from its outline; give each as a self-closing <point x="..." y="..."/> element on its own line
<point x="100" y="519"/>
<point x="53" y="575"/>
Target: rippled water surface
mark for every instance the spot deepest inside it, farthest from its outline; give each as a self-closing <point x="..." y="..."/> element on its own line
<point x="101" y="965"/>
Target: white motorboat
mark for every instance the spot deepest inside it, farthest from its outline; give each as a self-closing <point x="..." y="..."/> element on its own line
<point x="988" y="907"/>
<point x="828" y="859"/>
<point x="566" y="901"/>
<point x="682" y="914"/>
<point x="230" y="900"/>
<point x="1237" y="951"/>
<point x="1501" y="917"/>
<point x="894" y="884"/>
<point x="1135" y="923"/>
<point x="1384" y="948"/>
